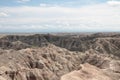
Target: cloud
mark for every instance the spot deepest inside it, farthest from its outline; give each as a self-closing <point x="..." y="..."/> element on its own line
<point x="2" y="14"/>
<point x="97" y="17"/>
<point x="114" y="3"/>
<point x="23" y="1"/>
<point x="43" y="5"/>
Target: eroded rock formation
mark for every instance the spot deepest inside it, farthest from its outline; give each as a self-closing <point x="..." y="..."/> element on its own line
<point x="48" y="57"/>
<point x="104" y="43"/>
<point x="89" y="72"/>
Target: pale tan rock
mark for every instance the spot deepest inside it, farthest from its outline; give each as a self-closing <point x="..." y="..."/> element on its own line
<point x="115" y="65"/>
<point x="87" y="72"/>
<point x="1" y="78"/>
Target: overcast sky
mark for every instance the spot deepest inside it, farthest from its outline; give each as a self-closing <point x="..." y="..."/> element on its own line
<point x="59" y="15"/>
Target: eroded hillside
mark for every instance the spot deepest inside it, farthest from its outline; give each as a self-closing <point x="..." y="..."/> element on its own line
<point x="49" y="57"/>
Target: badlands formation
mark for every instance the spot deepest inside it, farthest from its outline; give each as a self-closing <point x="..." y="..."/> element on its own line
<point x="60" y="57"/>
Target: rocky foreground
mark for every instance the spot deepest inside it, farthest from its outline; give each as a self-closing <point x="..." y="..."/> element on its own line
<point x="60" y="57"/>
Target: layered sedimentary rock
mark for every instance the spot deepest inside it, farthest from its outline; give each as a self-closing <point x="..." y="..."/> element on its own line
<point x="89" y="72"/>
<point x="104" y="43"/>
<point x="55" y="57"/>
<point x="46" y="63"/>
<point x="49" y="63"/>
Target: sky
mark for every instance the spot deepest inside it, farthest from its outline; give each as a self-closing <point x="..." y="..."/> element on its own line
<point x="59" y="16"/>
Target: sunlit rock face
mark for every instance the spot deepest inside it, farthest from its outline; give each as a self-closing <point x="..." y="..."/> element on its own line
<point x="87" y="72"/>
<point x="90" y="72"/>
